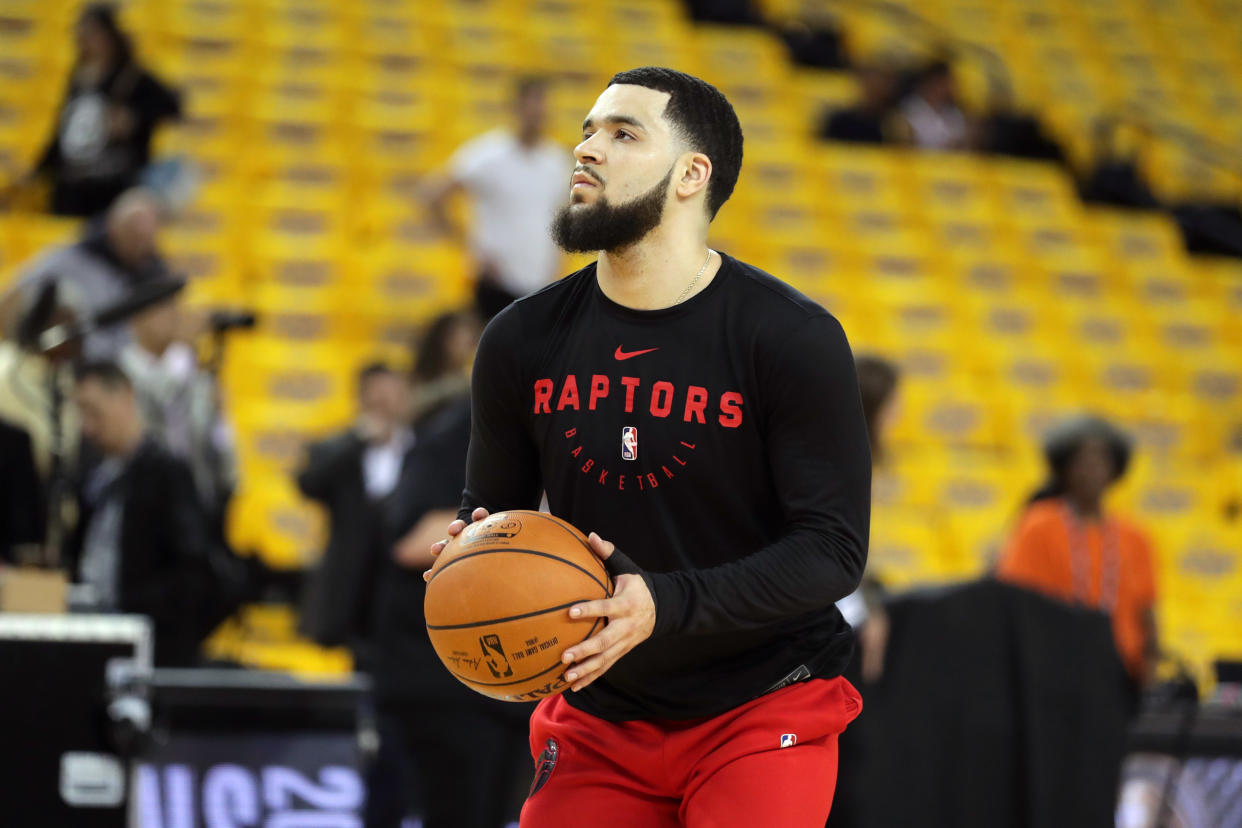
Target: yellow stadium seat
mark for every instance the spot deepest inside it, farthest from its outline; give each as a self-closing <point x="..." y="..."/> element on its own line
<point x="277" y="522"/>
<point x="863" y="179"/>
<point x="906" y="547"/>
<point x="955" y="413"/>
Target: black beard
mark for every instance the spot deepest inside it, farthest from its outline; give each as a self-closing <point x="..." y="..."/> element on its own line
<point x="586" y="228"/>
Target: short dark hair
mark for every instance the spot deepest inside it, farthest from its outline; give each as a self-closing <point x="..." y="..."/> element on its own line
<point x="375" y="368"/>
<point x="704" y="118"/>
<point x="529" y="85"/>
<point x="104" y="371"/>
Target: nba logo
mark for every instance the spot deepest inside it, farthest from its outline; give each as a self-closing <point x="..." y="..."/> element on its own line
<point x="789" y="739"/>
<point x="629" y="443"/>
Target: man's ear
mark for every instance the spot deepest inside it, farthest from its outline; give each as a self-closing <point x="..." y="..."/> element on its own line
<point x="696" y="172"/>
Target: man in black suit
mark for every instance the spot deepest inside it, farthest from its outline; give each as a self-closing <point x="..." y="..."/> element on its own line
<point x="21" y="494"/>
<point x="352" y="474"/>
<point x="142" y="543"/>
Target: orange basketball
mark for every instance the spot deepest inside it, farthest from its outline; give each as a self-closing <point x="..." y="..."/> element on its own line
<point x="498" y="600"/>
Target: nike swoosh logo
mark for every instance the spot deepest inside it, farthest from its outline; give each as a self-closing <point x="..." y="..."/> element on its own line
<point x="620" y="354"/>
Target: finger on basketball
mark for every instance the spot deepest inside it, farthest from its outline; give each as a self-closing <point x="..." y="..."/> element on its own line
<point x="590" y="609"/>
<point x="591" y="669"/>
<point x="479" y="514"/>
<point x="601" y="547"/>
<point x="595" y="644"/>
<point x="455" y="527"/>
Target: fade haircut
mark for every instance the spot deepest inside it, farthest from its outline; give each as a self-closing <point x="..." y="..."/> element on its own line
<point x="375" y="368"/>
<point x="702" y="117"/>
<point x="105" y="372"/>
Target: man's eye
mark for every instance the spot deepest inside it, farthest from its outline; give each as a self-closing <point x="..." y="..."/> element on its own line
<point x="621" y="133"/>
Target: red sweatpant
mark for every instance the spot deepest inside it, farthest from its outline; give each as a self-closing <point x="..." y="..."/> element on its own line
<point x="770" y="763"/>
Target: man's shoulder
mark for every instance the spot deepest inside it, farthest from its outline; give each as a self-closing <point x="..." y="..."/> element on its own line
<point x="488" y="144"/>
<point x="535" y="312"/>
<point x="152" y="458"/>
<point x="1044" y="515"/>
<point x="779" y="305"/>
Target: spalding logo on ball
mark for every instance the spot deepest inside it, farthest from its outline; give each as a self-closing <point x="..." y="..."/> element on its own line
<point x="498" y="600"/>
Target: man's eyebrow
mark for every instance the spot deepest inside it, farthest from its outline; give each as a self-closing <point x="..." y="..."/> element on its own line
<point x="615" y="119"/>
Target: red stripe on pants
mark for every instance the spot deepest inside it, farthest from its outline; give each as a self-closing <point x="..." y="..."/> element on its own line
<point x="728" y="771"/>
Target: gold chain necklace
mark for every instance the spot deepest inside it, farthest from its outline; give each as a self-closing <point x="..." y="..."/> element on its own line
<point x="695" y="280"/>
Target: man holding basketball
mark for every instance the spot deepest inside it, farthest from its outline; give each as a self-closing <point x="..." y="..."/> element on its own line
<point x="704" y="417"/>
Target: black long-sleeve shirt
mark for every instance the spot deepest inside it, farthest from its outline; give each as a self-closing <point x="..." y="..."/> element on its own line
<point x="720" y="443"/>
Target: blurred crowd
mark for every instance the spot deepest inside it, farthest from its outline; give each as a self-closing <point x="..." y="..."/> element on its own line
<point x="118" y="459"/>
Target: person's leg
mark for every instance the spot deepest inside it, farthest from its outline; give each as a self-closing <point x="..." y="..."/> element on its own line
<point x="457" y="752"/>
<point x="589" y="772"/>
<point x="385" y="777"/>
<point x="791" y="788"/>
<point x="771" y="761"/>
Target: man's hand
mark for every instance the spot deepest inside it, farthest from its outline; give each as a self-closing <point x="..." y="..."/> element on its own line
<point x="631" y="618"/>
<point x="454" y="529"/>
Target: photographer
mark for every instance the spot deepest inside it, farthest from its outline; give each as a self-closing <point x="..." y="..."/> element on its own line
<point x="113" y="258"/>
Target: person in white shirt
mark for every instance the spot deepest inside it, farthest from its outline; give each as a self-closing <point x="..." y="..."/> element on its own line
<point x="353" y="474"/>
<point x="930" y="117"/>
<point x="513" y="180"/>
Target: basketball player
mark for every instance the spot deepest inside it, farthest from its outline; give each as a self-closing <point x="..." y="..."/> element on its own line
<point x="705" y="418"/>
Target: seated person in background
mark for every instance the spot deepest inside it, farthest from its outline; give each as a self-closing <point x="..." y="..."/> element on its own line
<point x="142" y="543"/>
<point x="112" y="105"/>
<point x="180" y="403"/>
<point x="101" y="269"/>
<point x="865" y="122"/>
<point x="1068" y="547"/>
<point x="352" y="474"/>
<point x="1008" y="130"/>
<point x="930" y="117"/>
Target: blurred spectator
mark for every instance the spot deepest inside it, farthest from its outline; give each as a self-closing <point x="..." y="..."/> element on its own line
<point x="180" y="403"/>
<point x="1007" y="131"/>
<point x="1114" y="177"/>
<point x="112" y="258"/>
<point x="930" y="117"/>
<point x="142" y="543"/>
<point x="109" y="113"/>
<point x="864" y="608"/>
<point x="515" y="181"/>
<point x="867" y="121"/>
<point x="1068" y="547"/>
<point x="21" y="495"/>
<point x="741" y="12"/>
<point x="442" y="361"/>
<point x="1210" y="228"/>
<point x="351" y="474"/>
<point x="814" y="40"/>
<point x="430" y="724"/>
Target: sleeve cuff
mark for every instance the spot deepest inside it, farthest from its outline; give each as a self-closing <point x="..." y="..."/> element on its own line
<point x="662" y="588"/>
